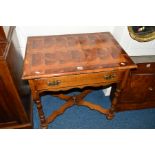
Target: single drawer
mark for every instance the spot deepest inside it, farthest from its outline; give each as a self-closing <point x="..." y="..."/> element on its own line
<point x="145" y="68"/>
<point x="76" y="81"/>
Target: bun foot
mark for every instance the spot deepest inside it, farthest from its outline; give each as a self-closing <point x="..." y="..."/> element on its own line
<point x="110" y="116"/>
<point x="44" y="126"/>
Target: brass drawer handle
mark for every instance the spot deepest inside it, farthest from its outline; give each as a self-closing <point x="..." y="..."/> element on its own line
<point x="109" y="76"/>
<point x="54" y="83"/>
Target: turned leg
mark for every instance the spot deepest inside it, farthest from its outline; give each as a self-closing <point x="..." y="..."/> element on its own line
<point x="36" y="99"/>
<point x="44" y="125"/>
<point x="117" y="93"/>
<point x="111" y="113"/>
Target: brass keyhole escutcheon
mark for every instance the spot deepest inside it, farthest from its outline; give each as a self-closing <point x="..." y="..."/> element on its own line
<point x="54" y="83"/>
<point x="109" y="76"/>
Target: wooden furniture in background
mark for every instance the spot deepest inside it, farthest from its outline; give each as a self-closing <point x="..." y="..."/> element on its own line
<point x="139" y="92"/>
<point x="15" y="97"/>
<point x="59" y="63"/>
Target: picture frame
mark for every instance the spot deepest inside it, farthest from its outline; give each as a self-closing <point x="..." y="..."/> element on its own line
<point x="142" y="33"/>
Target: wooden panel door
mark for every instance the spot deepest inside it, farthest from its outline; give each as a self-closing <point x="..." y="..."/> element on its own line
<point x="11" y="106"/>
<point x="138" y="88"/>
<point x="151" y="89"/>
<point x="139" y="93"/>
<point x="7" y="113"/>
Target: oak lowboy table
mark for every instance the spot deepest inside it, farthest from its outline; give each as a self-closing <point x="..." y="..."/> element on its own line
<point x="62" y="62"/>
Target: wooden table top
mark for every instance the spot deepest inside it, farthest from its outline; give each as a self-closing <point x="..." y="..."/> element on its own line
<point x="48" y="56"/>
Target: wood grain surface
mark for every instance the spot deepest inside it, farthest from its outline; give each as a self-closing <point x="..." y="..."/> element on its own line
<point x="63" y="62"/>
<point x="48" y="56"/>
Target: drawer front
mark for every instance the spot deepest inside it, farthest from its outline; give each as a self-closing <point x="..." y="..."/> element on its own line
<point x="72" y="81"/>
<point x="145" y="68"/>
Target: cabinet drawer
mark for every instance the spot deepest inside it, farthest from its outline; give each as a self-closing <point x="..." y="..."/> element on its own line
<point x="145" y="68"/>
<point x="72" y="81"/>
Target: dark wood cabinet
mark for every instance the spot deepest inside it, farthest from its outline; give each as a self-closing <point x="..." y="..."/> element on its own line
<point x="15" y="98"/>
<point x="139" y="92"/>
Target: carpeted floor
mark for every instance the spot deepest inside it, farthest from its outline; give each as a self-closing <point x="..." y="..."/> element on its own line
<point x="79" y="117"/>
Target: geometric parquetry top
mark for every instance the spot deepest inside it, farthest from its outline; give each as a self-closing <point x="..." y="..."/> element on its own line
<point x="48" y="56"/>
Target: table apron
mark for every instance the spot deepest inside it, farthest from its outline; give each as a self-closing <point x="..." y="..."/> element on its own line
<point x="77" y="81"/>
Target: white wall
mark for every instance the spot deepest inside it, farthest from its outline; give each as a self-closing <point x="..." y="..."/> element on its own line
<point x="132" y="47"/>
<point x="23" y="32"/>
